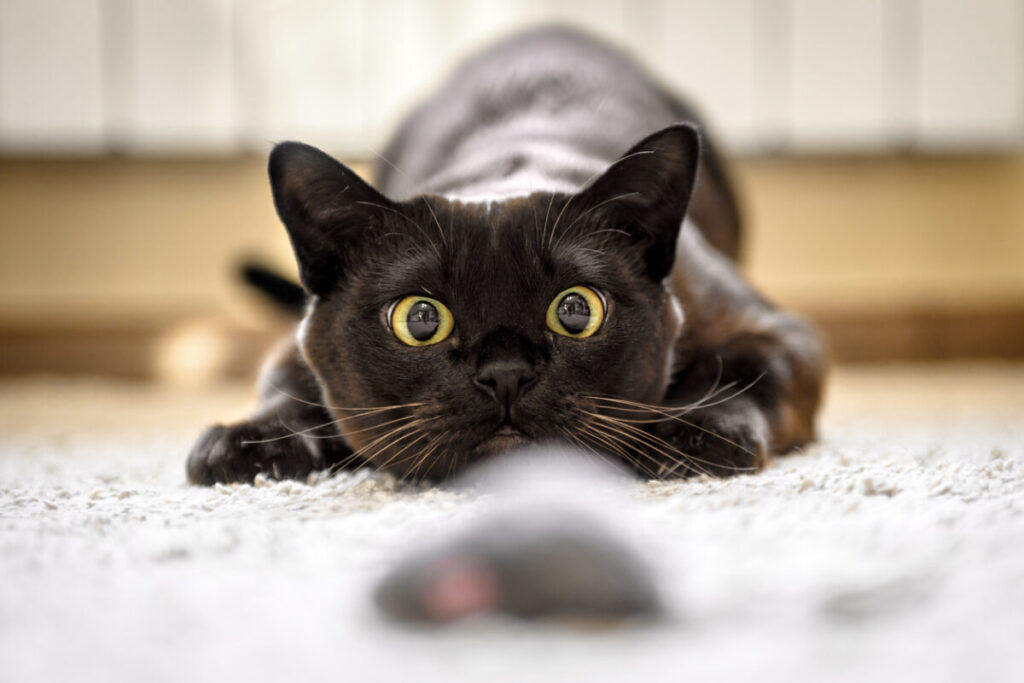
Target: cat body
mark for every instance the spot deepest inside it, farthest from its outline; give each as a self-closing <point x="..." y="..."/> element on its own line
<point x="550" y="257"/>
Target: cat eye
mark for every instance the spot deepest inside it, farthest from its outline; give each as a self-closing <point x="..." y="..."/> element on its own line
<point x="420" y="321"/>
<point x="576" y="312"/>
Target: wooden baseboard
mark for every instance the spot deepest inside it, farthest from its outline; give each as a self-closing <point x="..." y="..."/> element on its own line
<point x="137" y="352"/>
<point x="187" y="351"/>
<point x="924" y="335"/>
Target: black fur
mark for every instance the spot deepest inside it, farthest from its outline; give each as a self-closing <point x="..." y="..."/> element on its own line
<point x="539" y="134"/>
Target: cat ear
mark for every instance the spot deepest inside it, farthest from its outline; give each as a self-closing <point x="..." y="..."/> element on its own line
<point x="647" y="191"/>
<point x="325" y="207"/>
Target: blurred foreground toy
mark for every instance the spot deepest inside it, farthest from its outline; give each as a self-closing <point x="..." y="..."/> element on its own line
<point x="548" y="549"/>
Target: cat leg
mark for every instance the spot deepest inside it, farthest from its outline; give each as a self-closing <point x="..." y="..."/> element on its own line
<point x="290" y="435"/>
<point x="737" y="403"/>
<point x="748" y="377"/>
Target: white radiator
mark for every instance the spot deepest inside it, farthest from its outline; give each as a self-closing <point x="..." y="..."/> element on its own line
<point x="226" y="76"/>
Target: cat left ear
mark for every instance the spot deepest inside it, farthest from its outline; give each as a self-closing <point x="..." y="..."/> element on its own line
<point x="647" y="192"/>
<point x="326" y="208"/>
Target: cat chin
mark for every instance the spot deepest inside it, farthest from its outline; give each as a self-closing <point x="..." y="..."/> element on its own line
<point x="499" y="442"/>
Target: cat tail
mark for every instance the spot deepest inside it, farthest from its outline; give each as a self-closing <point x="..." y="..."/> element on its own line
<point x="280" y="290"/>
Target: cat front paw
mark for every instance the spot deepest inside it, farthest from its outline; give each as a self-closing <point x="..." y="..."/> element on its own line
<point x="719" y="444"/>
<point x="237" y="453"/>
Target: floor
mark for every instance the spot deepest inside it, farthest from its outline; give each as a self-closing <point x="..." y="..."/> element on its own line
<point x="892" y="550"/>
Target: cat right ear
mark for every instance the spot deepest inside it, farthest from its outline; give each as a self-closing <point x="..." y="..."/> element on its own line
<point x="325" y="207"/>
<point x="647" y="191"/>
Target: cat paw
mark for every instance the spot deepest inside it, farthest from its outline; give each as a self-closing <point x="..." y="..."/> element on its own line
<point x="720" y="445"/>
<point x="237" y="453"/>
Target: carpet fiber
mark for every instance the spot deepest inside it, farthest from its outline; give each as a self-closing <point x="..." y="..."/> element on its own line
<point x="892" y="550"/>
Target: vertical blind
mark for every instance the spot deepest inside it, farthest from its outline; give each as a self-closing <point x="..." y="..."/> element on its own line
<point x="774" y="76"/>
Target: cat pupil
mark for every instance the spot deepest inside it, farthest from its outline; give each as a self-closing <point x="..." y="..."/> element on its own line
<point x="422" y="320"/>
<point x="574" y="313"/>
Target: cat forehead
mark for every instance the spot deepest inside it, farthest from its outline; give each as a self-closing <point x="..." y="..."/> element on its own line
<point x="516" y="243"/>
<point x="503" y="223"/>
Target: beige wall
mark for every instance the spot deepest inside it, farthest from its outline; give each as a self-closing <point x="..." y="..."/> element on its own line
<point x="887" y="235"/>
<point x="115" y="240"/>
<point x="98" y="242"/>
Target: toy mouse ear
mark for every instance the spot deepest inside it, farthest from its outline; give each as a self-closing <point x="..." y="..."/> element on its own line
<point x="326" y="208"/>
<point x="648" y="190"/>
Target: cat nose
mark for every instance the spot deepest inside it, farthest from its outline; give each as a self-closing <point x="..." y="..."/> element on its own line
<point x="505" y="380"/>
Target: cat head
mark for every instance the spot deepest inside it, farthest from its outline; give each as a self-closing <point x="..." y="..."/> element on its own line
<point x="441" y="332"/>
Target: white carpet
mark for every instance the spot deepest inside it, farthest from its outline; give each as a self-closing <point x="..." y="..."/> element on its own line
<point x="894" y="550"/>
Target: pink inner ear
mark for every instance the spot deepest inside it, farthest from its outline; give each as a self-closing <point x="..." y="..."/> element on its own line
<point x="460" y="586"/>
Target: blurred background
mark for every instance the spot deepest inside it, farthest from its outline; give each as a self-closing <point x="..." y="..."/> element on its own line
<point x="877" y="145"/>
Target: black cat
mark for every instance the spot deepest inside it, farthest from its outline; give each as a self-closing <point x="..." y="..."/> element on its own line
<point x="525" y="275"/>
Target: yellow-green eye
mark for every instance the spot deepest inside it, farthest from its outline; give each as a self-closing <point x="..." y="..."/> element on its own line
<point x="420" y="320"/>
<point x="576" y="312"/>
